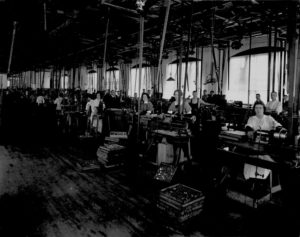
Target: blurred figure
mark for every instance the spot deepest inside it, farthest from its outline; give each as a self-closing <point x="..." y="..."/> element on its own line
<point x="113" y="101"/>
<point x="274" y="106"/>
<point x="211" y="97"/>
<point x="179" y="105"/>
<point x="58" y="103"/>
<point x="258" y="100"/>
<point x="195" y="103"/>
<point x="146" y="105"/>
<point x="40" y="99"/>
<point x="204" y="96"/>
<point x="285" y="103"/>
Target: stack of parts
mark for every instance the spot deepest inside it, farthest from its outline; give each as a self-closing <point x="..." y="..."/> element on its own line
<point x="111" y="155"/>
<point x="233" y="135"/>
<point x="180" y="202"/>
<point x="88" y="165"/>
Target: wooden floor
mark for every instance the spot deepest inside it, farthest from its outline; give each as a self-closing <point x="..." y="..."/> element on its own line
<point x="44" y="192"/>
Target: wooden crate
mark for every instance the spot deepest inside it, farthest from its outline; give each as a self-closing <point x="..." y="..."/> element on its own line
<point x="180" y="202"/>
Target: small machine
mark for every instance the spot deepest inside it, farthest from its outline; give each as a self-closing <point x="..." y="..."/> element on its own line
<point x="270" y="137"/>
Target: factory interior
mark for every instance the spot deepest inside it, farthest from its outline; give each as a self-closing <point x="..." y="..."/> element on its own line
<point x="123" y="118"/>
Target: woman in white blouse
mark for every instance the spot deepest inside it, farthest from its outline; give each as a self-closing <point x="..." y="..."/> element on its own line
<point x="259" y="121"/>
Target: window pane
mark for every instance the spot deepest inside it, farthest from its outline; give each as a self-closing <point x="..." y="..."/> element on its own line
<point x="134" y="81"/>
<point x="171" y="86"/>
<point x="238" y="83"/>
<point x="112" y="80"/>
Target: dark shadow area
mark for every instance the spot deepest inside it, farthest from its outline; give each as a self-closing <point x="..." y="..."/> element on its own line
<point x="22" y="214"/>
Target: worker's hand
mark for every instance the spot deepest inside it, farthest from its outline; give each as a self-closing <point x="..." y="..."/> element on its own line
<point x="250" y="135"/>
<point x="193" y="118"/>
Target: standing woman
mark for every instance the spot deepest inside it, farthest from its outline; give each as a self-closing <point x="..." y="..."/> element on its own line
<point x="146" y="105"/>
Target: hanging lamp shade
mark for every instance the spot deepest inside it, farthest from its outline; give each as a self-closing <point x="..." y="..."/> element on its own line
<point x="91" y="71"/>
<point x="112" y="69"/>
<point x="170" y="79"/>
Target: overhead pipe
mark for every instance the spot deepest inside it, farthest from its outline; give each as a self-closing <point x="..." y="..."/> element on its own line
<point x="223" y="69"/>
<point x="140" y="69"/>
<point x="163" y="42"/>
<point x="249" y="67"/>
<point x="284" y="64"/>
<point x="119" y="7"/>
<point x="187" y="53"/>
<point x="269" y="64"/>
<point x="105" y="48"/>
<point x="44" y="74"/>
<point x="280" y="94"/>
<point x="180" y="62"/>
<point x="197" y="72"/>
<point x="12" y="46"/>
<point x="201" y="72"/>
<point x="45" y="16"/>
<point x="213" y="52"/>
<point x="228" y="65"/>
<point x="274" y="59"/>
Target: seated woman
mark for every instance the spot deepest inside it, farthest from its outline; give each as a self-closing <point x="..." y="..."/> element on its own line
<point x="259" y="121"/>
<point x="146" y="105"/>
<point x="196" y="102"/>
<point x="184" y="105"/>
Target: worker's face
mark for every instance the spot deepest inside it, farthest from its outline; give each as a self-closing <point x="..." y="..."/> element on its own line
<point x="176" y="95"/>
<point x="258" y="96"/>
<point x="98" y="96"/>
<point x="113" y="93"/>
<point x="195" y="94"/>
<point x="145" y="98"/>
<point x="205" y="92"/>
<point x="274" y="96"/>
<point x="259" y="109"/>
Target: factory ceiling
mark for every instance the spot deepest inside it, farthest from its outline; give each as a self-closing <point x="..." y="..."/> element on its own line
<point x="73" y="32"/>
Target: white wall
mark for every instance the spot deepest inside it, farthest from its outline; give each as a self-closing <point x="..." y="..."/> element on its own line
<point x="3" y="81"/>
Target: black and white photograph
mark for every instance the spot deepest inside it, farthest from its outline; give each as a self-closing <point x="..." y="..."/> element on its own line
<point x="149" y="118"/>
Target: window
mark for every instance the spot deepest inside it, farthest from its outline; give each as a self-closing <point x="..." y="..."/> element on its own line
<point x="46" y="80"/>
<point x="112" y="79"/>
<point x="64" y="82"/>
<point x="172" y="71"/>
<point x="134" y="80"/>
<point x="239" y="76"/>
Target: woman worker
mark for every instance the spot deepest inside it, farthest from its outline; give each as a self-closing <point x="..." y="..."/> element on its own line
<point x="146" y="105"/>
<point x="184" y="105"/>
<point x="259" y="121"/>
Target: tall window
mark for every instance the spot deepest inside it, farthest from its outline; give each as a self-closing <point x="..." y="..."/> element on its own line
<point x="112" y="80"/>
<point x="64" y="82"/>
<point x="91" y="83"/>
<point x="172" y="72"/>
<point x="134" y="80"/>
<point x="239" y="86"/>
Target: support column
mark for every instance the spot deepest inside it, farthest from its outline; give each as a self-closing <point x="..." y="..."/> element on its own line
<point x="292" y="63"/>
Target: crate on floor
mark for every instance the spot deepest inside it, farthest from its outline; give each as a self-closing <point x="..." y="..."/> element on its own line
<point x="111" y="155"/>
<point x="180" y="202"/>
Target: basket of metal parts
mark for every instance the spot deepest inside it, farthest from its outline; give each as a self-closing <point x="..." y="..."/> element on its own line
<point x="180" y="202"/>
<point x="165" y="172"/>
